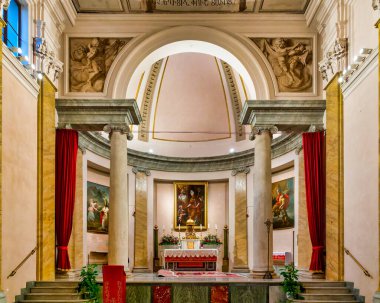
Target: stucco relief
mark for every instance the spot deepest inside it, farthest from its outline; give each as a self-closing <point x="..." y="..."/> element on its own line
<point x="90" y="61"/>
<point x="291" y="61"/>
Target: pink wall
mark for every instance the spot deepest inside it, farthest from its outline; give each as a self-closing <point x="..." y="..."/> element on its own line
<point x="19" y="183"/>
<point x="361" y="192"/>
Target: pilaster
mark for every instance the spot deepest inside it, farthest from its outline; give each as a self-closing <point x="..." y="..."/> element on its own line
<point x="76" y="253"/>
<point x="141" y="220"/>
<point x="241" y="222"/>
<point x="46" y="181"/>
<point x="377" y="4"/>
<point x="2" y="25"/>
<point x="334" y="181"/>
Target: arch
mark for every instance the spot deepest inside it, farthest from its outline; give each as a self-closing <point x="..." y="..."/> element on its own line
<point x="244" y="54"/>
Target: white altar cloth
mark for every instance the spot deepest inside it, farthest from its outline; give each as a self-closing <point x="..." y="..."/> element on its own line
<point x="190" y="253"/>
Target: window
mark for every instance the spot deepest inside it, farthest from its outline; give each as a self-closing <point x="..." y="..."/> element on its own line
<point x="15" y="34"/>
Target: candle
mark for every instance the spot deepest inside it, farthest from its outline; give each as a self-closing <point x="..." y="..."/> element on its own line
<point x="201" y="227"/>
<point x="216" y="226"/>
<point x="163" y="228"/>
<point x="208" y="226"/>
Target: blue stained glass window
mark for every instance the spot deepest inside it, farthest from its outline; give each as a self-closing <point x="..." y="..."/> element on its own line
<point x="15" y="33"/>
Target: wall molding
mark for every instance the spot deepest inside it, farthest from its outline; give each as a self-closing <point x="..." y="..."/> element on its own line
<point x="11" y="63"/>
<point x="99" y="145"/>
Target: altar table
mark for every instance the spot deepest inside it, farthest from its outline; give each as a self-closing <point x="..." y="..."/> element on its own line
<point x="191" y="259"/>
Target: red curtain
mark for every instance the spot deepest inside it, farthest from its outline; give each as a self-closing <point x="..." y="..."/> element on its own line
<point x="65" y="174"/>
<point x="315" y="180"/>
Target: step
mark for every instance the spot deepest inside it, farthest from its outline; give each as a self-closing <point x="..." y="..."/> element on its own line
<point x="326" y="290"/>
<point x="52" y="301"/>
<point x="56" y="284"/>
<point x="57" y="289"/>
<point x="52" y="296"/>
<point x="323" y="284"/>
<point x="329" y="297"/>
<point x="323" y="301"/>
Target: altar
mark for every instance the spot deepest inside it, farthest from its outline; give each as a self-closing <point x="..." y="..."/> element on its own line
<point x="190" y="259"/>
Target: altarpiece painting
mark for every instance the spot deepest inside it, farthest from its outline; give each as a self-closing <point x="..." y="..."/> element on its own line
<point x="97" y="207"/>
<point x="283" y="204"/>
<point x="190" y="201"/>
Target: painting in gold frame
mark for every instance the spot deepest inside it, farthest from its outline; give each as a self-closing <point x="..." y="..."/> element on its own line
<point x="190" y="201"/>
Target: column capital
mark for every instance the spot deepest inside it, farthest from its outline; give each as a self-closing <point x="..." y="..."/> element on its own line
<point x="136" y="170"/>
<point x="258" y="130"/>
<point x="243" y="169"/>
<point x="122" y="128"/>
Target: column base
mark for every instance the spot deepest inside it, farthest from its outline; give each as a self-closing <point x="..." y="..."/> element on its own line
<point x="260" y="274"/>
<point x="3" y="298"/>
<point x="243" y="269"/>
<point x="376" y="297"/>
<point x="304" y="273"/>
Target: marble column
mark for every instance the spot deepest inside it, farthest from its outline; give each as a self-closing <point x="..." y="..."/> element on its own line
<point x="119" y="206"/>
<point x="262" y="201"/>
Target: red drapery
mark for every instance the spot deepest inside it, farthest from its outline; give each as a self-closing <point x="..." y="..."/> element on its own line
<point x="315" y="180"/>
<point x="65" y="174"/>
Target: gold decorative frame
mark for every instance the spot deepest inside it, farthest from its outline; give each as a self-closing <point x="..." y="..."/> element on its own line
<point x="193" y="205"/>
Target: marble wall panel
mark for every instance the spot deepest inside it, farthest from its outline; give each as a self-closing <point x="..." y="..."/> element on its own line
<point x="249" y="294"/>
<point x="190" y="294"/>
<point x="141" y="222"/>
<point x="46" y="182"/>
<point x="334" y="182"/>
<point x="303" y="238"/>
<point x="138" y="294"/>
<point x="241" y="245"/>
<point x="219" y="294"/>
<point x="161" y="294"/>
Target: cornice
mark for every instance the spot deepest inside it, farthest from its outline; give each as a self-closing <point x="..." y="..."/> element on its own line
<point x="19" y="71"/>
<point x="70" y="11"/>
<point x="225" y="17"/>
<point x="360" y="74"/>
<point x="311" y="11"/>
<point x="99" y="145"/>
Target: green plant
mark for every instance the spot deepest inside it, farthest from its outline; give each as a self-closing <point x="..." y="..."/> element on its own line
<point x="169" y="240"/>
<point x="211" y="240"/>
<point x="88" y="286"/>
<point x="290" y="285"/>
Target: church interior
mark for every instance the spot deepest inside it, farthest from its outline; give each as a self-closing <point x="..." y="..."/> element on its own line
<point x="192" y="149"/>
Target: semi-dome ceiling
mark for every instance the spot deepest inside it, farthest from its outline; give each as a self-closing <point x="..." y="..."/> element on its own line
<point x="190" y="104"/>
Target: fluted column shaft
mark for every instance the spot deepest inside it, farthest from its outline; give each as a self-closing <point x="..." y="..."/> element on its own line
<point x="262" y="203"/>
<point x="118" y="208"/>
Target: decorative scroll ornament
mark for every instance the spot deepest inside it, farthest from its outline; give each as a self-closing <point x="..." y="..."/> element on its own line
<point x="376" y="5"/>
<point x="46" y="59"/>
<point x="243" y="169"/>
<point x="4" y="4"/>
<point x="257" y="130"/>
<point x="136" y="170"/>
<point x="90" y="61"/>
<point x="291" y="61"/>
<point x="335" y="61"/>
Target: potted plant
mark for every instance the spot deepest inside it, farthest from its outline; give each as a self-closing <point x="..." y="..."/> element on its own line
<point x="169" y="241"/>
<point x="290" y="285"/>
<point x="88" y="286"/>
<point x="211" y="241"/>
